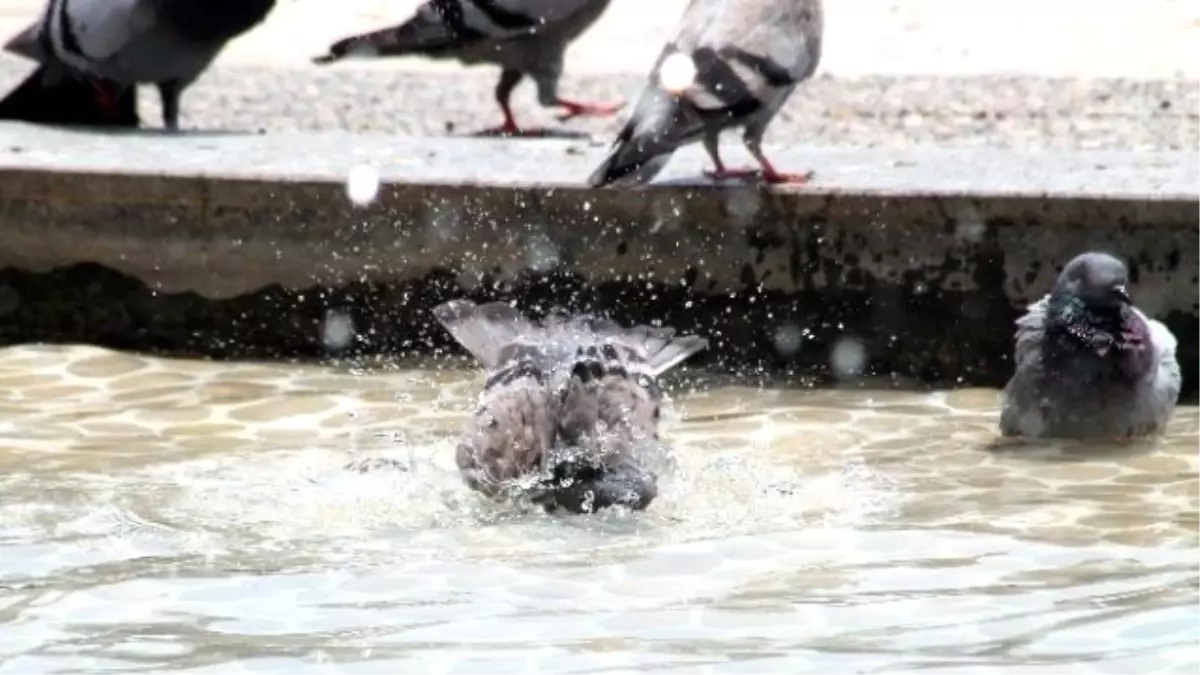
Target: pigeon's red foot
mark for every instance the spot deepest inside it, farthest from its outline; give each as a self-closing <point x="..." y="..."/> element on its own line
<point x="573" y="109"/>
<point x="769" y="177"/>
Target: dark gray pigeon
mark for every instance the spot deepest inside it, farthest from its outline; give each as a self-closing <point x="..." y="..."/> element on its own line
<point x="1090" y="365"/>
<point x="568" y="405"/>
<point x="113" y="45"/>
<point x="523" y="37"/>
<point x="733" y="63"/>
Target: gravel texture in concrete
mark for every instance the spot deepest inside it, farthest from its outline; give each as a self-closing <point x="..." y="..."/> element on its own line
<point x="871" y="111"/>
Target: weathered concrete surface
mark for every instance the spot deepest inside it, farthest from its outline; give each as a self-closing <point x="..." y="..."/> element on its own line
<point x="245" y="245"/>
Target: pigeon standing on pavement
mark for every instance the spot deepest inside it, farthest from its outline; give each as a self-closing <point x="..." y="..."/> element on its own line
<point x="567" y="407"/>
<point x="523" y="37"/>
<point x="99" y="50"/>
<point x="733" y="63"/>
<point x="1090" y="365"/>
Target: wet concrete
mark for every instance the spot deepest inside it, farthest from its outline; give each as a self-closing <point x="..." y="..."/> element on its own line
<point x="246" y="245"/>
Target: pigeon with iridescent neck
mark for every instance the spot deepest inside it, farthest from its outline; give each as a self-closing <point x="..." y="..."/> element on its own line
<point x="570" y="408"/>
<point x="1089" y="364"/>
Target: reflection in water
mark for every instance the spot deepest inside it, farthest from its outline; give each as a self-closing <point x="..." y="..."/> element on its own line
<point x="189" y="516"/>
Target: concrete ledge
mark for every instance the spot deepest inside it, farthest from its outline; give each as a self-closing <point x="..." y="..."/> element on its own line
<point x="245" y="244"/>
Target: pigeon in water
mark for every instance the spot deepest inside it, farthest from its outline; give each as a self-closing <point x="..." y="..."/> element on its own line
<point x="1090" y="365"/>
<point x="733" y="63"/>
<point x="101" y="49"/>
<point x="568" y="406"/>
<point x="523" y="37"/>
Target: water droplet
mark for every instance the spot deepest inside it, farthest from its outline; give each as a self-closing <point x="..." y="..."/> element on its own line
<point x="362" y="184"/>
<point x="787" y="339"/>
<point x="848" y="358"/>
<point x="337" y="330"/>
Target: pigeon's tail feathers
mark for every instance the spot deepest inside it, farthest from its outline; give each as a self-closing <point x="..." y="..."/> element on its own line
<point x="483" y="330"/>
<point x="648" y="349"/>
<point x="57" y="99"/>
<point x="661" y="122"/>
<point x="672" y="352"/>
<point x="27" y="43"/>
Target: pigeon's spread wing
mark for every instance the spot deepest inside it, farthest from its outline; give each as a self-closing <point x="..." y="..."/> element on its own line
<point x="483" y="330"/>
<point x="512" y="431"/>
<point x="613" y="389"/>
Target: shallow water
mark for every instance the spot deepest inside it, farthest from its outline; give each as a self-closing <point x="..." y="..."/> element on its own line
<point x="170" y="515"/>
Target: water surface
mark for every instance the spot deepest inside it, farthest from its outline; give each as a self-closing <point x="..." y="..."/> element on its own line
<point x="183" y="516"/>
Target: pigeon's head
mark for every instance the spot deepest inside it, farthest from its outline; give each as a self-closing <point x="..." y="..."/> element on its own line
<point x="1091" y="304"/>
<point x="1098" y="280"/>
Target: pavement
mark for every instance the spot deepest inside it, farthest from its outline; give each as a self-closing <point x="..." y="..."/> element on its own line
<point x="1022" y="74"/>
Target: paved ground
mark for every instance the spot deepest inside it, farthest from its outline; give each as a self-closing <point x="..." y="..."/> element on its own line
<point x="403" y="159"/>
<point x="895" y="73"/>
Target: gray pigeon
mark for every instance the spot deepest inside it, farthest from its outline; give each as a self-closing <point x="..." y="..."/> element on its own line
<point x="741" y="60"/>
<point x="1090" y="365"/>
<point x="523" y="37"/>
<point x="117" y="44"/>
<point x="567" y="407"/>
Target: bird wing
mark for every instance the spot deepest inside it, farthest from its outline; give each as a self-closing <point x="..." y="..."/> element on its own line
<point x="1021" y="409"/>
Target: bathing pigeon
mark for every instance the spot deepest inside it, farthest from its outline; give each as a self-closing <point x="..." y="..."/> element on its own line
<point x="733" y="63"/>
<point x="110" y="46"/>
<point x="523" y="37"/>
<point x="567" y="407"/>
<point x="1090" y="365"/>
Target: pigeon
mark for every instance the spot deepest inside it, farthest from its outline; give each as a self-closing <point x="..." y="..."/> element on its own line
<point x="1090" y="365"/>
<point x="523" y="37"/>
<point x="733" y="63"/>
<point x="110" y="46"/>
<point x="568" y="407"/>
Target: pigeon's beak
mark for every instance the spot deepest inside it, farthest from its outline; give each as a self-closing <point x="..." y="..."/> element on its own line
<point x="1121" y="293"/>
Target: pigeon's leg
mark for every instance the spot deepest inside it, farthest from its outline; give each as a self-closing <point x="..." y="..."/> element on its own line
<point x="509" y="79"/>
<point x="752" y="138"/>
<point x="769" y="174"/>
<point x="170" y="91"/>
<point x="712" y="145"/>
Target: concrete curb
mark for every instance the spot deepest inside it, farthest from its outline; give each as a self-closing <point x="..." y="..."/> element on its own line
<point x="247" y="245"/>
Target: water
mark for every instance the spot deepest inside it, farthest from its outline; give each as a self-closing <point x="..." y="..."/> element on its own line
<point x="166" y="515"/>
